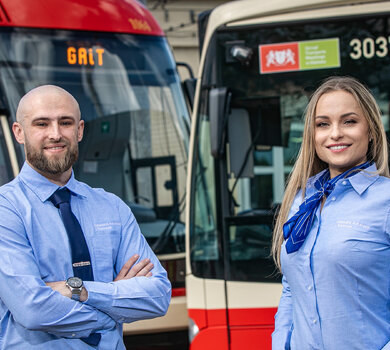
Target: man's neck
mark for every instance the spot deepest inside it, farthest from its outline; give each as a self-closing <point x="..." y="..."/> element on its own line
<point x="60" y="179"/>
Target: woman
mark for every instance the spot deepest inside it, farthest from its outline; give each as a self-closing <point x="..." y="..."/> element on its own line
<point x="332" y="235"/>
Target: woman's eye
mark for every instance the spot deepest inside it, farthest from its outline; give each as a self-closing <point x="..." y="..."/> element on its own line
<point x="321" y="124"/>
<point x="350" y="121"/>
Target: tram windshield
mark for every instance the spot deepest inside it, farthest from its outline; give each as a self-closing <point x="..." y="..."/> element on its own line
<point x="136" y="122"/>
<point x="270" y="70"/>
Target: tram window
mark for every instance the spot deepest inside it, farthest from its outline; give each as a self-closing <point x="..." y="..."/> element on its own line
<point x="262" y="184"/>
<point x="5" y="166"/>
<point x="250" y="253"/>
<point x="255" y="198"/>
<point x="206" y="256"/>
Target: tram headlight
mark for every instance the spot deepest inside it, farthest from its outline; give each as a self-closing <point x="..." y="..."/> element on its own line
<point x="193" y="329"/>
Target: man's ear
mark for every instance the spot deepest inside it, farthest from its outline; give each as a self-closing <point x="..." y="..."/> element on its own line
<point x="18" y="132"/>
<point x="80" y="130"/>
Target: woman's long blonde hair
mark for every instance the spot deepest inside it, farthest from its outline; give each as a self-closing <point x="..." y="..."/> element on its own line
<point x="308" y="164"/>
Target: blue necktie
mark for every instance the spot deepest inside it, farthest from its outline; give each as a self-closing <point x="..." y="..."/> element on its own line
<point x="297" y="228"/>
<point x="81" y="260"/>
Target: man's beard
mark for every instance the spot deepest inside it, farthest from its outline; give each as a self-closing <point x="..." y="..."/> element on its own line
<point x="53" y="166"/>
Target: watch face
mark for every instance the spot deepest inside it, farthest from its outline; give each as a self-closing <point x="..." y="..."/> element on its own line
<point x="75" y="282"/>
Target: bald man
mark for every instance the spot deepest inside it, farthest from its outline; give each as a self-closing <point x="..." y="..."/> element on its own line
<point x="44" y="303"/>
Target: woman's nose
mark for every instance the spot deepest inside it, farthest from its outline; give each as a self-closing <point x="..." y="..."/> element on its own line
<point x="336" y="132"/>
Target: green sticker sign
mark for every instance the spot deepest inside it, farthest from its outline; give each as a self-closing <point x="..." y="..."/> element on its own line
<point x="105" y="127"/>
<point x="317" y="54"/>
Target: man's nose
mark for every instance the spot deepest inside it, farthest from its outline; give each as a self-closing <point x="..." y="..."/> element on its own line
<point x="54" y="131"/>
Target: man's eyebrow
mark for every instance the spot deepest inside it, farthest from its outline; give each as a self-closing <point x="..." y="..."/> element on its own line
<point x="67" y="117"/>
<point x="42" y="118"/>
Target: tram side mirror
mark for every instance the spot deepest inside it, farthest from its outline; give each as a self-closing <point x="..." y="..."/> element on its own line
<point x="188" y="86"/>
<point x="266" y="121"/>
<point x="240" y="143"/>
<point x="219" y="104"/>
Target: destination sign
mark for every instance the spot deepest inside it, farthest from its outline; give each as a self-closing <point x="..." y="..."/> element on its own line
<point x="85" y="56"/>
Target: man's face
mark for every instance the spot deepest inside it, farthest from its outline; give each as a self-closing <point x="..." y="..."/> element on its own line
<point x="50" y="131"/>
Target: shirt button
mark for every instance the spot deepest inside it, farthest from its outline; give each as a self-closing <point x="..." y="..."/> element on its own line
<point x="315" y="321"/>
<point x="344" y="182"/>
<point x="333" y="198"/>
<point x="73" y="335"/>
<point x="310" y="287"/>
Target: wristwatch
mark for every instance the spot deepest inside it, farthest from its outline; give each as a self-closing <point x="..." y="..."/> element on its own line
<point x="75" y="284"/>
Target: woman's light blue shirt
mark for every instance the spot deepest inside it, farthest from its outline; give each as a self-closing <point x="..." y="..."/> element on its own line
<point x="336" y="288"/>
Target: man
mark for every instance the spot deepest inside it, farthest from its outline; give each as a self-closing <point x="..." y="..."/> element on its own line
<point x="44" y="303"/>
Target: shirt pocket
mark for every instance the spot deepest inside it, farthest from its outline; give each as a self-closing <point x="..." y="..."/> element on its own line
<point x="356" y="245"/>
<point x="105" y="242"/>
<point x="355" y="233"/>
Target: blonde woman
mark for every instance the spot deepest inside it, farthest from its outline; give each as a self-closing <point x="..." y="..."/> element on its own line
<point x="332" y="235"/>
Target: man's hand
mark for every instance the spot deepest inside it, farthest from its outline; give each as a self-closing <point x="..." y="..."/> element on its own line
<point x="129" y="270"/>
<point x="61" y="288"/>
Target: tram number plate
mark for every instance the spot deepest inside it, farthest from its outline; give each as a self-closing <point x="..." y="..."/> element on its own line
<point x="369" y="47"/>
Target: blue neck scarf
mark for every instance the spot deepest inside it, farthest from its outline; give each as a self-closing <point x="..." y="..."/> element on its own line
<point x="297" y="228"/>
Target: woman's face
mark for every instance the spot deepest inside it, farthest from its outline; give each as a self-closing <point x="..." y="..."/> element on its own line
<point x="340" y="132"/>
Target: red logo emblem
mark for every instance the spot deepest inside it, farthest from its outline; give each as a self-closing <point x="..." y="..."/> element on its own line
<point x="279" y="57"/>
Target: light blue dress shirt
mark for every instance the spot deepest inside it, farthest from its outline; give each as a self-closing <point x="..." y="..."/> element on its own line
<point x="34" y="249"/>
<point x="336" y="288"/>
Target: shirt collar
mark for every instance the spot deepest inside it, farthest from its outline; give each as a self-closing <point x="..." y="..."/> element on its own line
<point x="364" y="179"/>
<point x="44" y="188"/>
<point x="310" y="188"/>
<point x="359" y="182"/>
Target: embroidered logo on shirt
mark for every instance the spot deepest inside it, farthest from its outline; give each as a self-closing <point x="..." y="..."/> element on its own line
<point x="106" y="226"/>
<point x="351" y="224"/>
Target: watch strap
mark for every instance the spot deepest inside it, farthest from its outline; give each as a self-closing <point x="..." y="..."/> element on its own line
<point x="76" y="296"/>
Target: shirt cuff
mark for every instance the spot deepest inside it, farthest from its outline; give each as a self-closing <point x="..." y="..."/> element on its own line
<point x="98" y="292"/>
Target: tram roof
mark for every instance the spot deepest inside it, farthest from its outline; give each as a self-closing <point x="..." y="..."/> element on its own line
<point x="121" y="16"/>
<point x="249" y="9"/>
